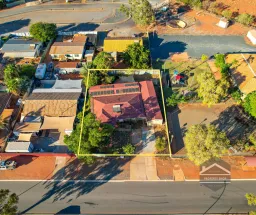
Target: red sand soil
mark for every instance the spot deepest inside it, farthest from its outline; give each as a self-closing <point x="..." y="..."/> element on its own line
<point x="241" y="6"/>
<point x="29" y="168"/>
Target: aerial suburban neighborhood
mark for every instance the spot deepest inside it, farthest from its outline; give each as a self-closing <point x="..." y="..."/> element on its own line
<point x="127" y="107"/>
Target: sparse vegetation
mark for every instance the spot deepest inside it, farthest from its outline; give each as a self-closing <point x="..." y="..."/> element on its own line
<point x="160" y="144"/>
<point x="227" y="13"/>
<point x="128" y="149"/>
<point x="245" y="19"/>
<point x="204" y="57"/>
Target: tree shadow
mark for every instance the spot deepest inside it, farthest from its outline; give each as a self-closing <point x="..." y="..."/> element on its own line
<point x="13" y="26"/>
<point x="234" y="123"/>
<point x="73" y="209"/>
<point x="102" y="170"/>
<point x="162" y="50"/>
<point x="88" y="26"/>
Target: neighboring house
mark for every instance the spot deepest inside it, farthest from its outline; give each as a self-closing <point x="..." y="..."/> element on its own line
<point x="244" y="73"/>
<point x="69" y="49"/>
<point x="67" y="67"/>
<point x="21" y="48"/>
<point x="120" y="44"/>
<point x="5" y="113"/>
<point x="126" y="101"/>
<point x="57" y="105"/>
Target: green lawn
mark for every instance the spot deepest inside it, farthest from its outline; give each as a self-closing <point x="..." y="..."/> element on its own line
<point x="191" y="68"/>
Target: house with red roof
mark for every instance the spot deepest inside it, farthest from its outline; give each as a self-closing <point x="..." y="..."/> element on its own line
<point x="120" y="102"/>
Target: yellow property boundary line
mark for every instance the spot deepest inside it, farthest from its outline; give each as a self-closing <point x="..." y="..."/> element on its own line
<point x="126" y="155"/>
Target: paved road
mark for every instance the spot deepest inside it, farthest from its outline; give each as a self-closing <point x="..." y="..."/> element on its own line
<point x="130" y="197"/>
<point x="163" y="45"/>
<point x="71" y="17"/>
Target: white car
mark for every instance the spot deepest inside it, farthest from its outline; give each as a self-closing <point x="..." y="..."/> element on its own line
<point x="8" y="165"/>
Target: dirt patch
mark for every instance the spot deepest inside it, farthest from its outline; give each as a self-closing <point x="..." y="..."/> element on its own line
<point x="240" y="6"/>
<point x="29" y="168"/>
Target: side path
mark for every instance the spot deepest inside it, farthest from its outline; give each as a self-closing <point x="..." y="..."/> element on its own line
<point x="52" y="167"/>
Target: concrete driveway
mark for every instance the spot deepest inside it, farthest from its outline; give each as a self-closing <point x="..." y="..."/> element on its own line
<point x="162" y="45"/>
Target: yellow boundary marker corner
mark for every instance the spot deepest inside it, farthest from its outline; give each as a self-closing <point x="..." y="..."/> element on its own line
<point x="125" y="155"/>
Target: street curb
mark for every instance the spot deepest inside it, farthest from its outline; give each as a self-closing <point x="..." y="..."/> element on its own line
<point x="42" y="5"/>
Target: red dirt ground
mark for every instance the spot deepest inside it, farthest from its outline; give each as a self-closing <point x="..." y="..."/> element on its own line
<point x="29" y="168"/>
<point x="241" y="6"/>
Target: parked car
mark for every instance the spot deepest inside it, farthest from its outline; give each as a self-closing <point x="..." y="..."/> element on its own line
<point x="8" y="165"/>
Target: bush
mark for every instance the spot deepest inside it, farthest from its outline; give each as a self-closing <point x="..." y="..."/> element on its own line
<point x="245" y="19"/>
<point x="250" y="104"/>
<point x="236" y="95"/>
<point x="128" y="149"/>
<point x="204" y="57"/>
<point x="252" y="138"/>
<point x="160" y="144"/>
<point x="175" y="99"/>
<point x="227" y="14"/>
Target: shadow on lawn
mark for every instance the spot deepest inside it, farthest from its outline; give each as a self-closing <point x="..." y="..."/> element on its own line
<point x="104" y="170"/>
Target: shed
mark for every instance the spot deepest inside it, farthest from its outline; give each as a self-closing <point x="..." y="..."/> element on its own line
<point x="223" y="23"/>
<point x="19" y="147"/>
<point x="252" y="36"/>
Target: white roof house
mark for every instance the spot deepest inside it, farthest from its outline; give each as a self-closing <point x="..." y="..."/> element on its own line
<point x="19" y="147"/>
<point x="252" y="36"/>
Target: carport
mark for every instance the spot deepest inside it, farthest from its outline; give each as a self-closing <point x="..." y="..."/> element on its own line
<point x="62" y="124"/>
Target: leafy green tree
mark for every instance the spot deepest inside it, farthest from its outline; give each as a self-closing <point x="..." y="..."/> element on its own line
<point x="95" y="136"/>
<point x="128" y="149"/>
<point x="204" y="57"/>
<point x="103" y="60"/>
<point x="137" y="56"/>
<point x="250" y="104"/>
<point x="204" y="143"/>
<point x="43" y="31"/>
<point x="251" y="198"/>
<point x="8" y="202"/>
<point x="175" y="99"/>
<point x="227" y="14"/>
<point x="210" y="90"/>
<point x="245" y="19"/>
<point x="219" y="60"/>
<point x="17" y="78"/>
<point x="160" y="144"/>
<point x="141" y="12"/>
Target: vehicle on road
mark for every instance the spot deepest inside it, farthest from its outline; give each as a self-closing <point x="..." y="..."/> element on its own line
<point x="8" y="165"/>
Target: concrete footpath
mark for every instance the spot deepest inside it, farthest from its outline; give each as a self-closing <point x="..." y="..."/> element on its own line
<point x="40" y="167"/>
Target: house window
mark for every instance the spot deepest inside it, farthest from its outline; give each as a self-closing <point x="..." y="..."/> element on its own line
<point x="76" y="55"/>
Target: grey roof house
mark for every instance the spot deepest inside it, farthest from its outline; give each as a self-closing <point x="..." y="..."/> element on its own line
<point x="21" y="48"/>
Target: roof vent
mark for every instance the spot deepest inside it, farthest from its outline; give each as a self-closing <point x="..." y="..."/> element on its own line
<point x="117" y="108"/>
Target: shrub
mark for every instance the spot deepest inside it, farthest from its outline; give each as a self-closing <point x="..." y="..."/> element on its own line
<point x="175" y="99"/>
<point x="245" y="19"/>
<point x="250" y="104"/>
<point x="227" y="14"/>
<point x="160" y="144"/>
<point x="236" y="95"/>
<point x="204" y="57"/>
<point x="128" y="149"/>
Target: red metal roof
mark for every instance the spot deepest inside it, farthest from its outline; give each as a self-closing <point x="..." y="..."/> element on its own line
<point x="140" y="104"/>
<point x="251" y="161"/>
<point x="150" y="101"/>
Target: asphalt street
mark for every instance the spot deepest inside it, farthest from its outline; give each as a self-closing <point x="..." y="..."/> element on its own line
<point x="130" y="197"/>
<point x="163" y="45"/>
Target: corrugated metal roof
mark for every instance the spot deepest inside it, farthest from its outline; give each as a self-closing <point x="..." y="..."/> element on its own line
<point x="120" y="44"/>
<point x="20" y="45"/>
